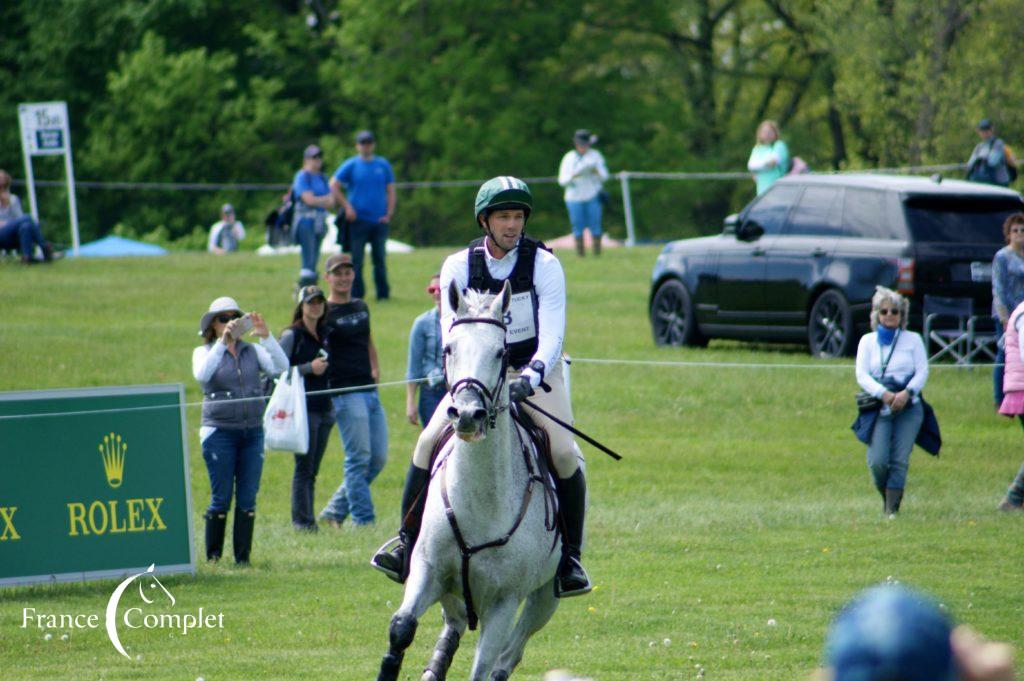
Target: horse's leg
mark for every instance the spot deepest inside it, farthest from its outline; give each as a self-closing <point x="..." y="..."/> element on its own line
<point x="540" y="606"/>
<point x="454" y="626"/>
<point x="495" y="624"/>
<point x="420" y="593"/>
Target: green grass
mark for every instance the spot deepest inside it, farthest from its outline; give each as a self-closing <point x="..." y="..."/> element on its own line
<point x="743" y="496"/>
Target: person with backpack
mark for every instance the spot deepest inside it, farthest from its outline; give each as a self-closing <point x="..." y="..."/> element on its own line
<point x="990" y="163"/>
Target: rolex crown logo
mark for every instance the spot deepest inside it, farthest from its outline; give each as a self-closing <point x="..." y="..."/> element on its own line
<point x="113" y="450"/>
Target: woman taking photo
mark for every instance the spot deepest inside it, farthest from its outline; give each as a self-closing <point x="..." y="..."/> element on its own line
<point x="303" y="343"/>
<point x="1007" y="290"/>
<point x="892" y="366"/>
<point x="230" y="371"/>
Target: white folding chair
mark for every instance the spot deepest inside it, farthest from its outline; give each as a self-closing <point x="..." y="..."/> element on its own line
<point x="947" y="324"/>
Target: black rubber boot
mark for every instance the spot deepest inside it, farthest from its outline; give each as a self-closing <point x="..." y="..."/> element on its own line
<point x="395" y="562"/>
<point x="245" y="521"/>
<point x="893" y="498"/>
<point x="572" y="498"/>
<point x="215" y="524"/>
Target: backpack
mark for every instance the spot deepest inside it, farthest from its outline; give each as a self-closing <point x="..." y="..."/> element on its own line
<point x="1011" y="162"/>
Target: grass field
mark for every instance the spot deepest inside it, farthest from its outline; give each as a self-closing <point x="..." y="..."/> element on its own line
<point x="743" y="496"/>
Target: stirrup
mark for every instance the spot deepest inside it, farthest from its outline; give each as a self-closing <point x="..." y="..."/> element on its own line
<point x="387" y="549"/>
<point x="584" y="588"/>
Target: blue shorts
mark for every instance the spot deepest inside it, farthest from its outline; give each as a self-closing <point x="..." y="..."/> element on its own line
<point x="584" y="214"/>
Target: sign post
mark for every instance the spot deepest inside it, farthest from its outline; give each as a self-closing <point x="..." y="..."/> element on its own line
<point x="45" y="131"/>
<point x="94" y="483"/>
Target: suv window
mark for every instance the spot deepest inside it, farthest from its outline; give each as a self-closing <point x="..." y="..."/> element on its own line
<point x="864" y="215"/>
<point x="818" y="213"/>
<point x="771" y="209"/>
<point x="959" y="219"/>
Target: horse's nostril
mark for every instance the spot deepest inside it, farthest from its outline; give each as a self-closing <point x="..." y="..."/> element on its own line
<point x="479" y="414"/>
<point x="453" y="413"/>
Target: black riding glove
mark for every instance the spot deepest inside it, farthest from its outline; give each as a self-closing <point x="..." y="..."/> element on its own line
<point x="520" y="389"/>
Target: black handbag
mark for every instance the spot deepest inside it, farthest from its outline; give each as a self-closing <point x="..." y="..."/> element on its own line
<point x="866" y="402"/>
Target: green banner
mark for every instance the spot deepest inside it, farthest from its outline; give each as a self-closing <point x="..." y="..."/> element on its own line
<point x="94" y="483"/>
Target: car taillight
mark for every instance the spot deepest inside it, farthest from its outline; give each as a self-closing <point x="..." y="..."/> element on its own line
<point x="905" y="276"/>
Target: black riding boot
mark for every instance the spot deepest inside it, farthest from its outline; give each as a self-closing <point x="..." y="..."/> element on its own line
<point x="893" y="498"/>
<point x="215" y="524"/>
<point x="245" y="521"/>
<point x="572" y="499"/>
<point x="395" y="563"/>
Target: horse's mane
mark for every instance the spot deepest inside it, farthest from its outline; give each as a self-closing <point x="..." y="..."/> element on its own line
<point x="478" y="303"/>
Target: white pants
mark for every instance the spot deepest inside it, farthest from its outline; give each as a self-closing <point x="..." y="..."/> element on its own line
<point x="564" y="451"/>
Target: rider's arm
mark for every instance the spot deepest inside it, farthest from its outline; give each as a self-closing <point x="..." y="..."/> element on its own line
<point x="549" y="280"/>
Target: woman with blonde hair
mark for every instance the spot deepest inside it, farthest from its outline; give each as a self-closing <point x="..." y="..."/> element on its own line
<point x="769" y="159"/>
<point x="892" y="368"/>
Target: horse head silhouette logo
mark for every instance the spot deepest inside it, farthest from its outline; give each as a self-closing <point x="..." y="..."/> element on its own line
<point x="115" y="599"/>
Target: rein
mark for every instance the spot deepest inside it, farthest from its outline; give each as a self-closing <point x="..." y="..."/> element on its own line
<point x="491" y="397"/>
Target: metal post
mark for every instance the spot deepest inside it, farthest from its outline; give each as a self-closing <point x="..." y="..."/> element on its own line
<point x="627" y="208"/>
<point x="72" y="205"/>
<point x="30" y="184"/>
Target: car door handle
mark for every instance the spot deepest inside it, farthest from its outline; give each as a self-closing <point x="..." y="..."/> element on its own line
<point x="757" y="251"/>
<point x="818" y="252"/>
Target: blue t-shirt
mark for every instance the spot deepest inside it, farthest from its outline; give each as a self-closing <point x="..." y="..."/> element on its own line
<point x="306" y="181"/>
<point x="366" y="185"/>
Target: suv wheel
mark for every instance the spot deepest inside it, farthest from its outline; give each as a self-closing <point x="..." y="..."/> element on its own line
<point x="672" y="316"/>
<point x="830" y="327"/>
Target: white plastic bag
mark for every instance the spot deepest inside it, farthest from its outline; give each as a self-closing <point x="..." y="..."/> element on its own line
<point x="285" y="426"/>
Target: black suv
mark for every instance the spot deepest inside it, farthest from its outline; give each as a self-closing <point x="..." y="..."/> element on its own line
<point x="801" y="261"/>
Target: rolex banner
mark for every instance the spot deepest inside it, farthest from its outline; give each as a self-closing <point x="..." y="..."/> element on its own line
<point x="93" y="483"/>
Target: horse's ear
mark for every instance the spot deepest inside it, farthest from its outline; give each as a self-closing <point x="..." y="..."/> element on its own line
<point x="506" y="297"/>
<point x="454" y="296"/>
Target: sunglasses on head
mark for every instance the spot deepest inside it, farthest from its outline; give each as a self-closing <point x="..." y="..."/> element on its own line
<point x="225" y="318"/>
<point x="888" y="310"/>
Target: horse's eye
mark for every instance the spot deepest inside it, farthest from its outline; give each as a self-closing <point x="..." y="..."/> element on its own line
<point x="447" y="350"/>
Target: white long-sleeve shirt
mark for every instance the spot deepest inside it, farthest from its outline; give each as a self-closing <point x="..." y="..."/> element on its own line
<point x="582" y="175"/>
<point x="908" y="358"/>
<point x="549" y="283"/>
<point x="206" y="358"/>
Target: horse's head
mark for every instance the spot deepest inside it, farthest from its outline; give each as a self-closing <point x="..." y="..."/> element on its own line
<point x="475" y="360"/>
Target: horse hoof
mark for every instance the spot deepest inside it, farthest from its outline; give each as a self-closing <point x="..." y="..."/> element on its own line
<point x="499" y="676"/>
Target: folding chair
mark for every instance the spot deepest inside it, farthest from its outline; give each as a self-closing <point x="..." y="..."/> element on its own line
<point x="982" y="338"/>
<point x="947" y="324"/>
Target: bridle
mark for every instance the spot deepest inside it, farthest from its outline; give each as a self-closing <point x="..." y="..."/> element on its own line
<point x="491" y="396"/>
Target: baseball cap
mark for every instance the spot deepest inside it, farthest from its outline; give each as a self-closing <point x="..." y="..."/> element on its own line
<point x="312" y="151"/>
<point x="584" y="136"/>
<point x="890" y="632"/>
<point x="338" y="260"/>
<point x="227" y="208"/>
<point x="984" y="124"/>
<point x="364" y="136"/>
<point x="310" y="293"/>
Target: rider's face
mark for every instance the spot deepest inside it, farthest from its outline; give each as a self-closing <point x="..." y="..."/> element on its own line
<point x="506" y="227"/>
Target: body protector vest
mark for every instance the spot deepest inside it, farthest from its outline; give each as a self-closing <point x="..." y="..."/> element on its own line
<point x="521" y="318"/>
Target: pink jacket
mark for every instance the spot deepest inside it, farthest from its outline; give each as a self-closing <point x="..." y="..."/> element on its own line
<point x="1013" y="376"/>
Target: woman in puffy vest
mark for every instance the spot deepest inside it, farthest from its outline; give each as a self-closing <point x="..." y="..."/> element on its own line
<point x="230" y="372"/>
<point x="1013" y="397"/>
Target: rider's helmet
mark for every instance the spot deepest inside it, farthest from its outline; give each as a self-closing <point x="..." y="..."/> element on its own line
<point x="503" y="193"/>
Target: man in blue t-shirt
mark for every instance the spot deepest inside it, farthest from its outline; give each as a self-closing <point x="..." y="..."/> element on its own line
<point x="369" y="207"/>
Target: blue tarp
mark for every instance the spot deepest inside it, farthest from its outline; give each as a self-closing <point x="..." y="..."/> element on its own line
<point x="116" y="246"/>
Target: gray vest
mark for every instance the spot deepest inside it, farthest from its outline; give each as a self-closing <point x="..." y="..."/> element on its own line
<point x="233" y="379"/>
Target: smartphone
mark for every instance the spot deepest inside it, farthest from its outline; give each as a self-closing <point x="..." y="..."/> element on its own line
<point x="242" y="327"/>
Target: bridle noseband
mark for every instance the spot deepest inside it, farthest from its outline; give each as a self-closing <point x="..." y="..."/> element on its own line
<point x="491" y="397"/>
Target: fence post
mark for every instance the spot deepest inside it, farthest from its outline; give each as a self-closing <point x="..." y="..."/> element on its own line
<point x="627" y="208"/>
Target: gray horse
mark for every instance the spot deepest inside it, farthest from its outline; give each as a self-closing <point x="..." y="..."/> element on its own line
<point x="488" y="522"/>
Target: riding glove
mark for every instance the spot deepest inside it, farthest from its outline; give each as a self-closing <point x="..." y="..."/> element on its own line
<point x="520" y="389"/>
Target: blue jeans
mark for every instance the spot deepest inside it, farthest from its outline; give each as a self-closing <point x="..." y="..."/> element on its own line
<point x="364" y="433"/>
<point x="998" y="369"/>
<point x="375" y="234"/>
<point x="234" y="460"/>
<point x="23" y="234"/>
<point x="309" y="242"/>
<point x="430" y="397"/>
<point x="891" y="442"/>
<point x="584" y="214"/>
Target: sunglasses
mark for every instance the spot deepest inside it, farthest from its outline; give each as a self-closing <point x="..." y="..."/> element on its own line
<point x="433" y="289"/>
<point x="888" y="310"/>
<point x="225" y="318"/>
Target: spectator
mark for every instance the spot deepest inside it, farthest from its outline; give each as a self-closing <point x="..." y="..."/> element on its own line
<point x="352" y="365"/>
<point x="425" y="367"/>
<point x="369" y="207"/>
<point x="17" y="230"/>
<point x="891" y="633"/>
<point x="1007" y="290"/>
<point x="226" y="232"/>
<point x="583" y="172"/>
<point x="769" y="159"/>
<point x="229" y="371"/>
<point x="303" y="343"/>
<point x="1013" y="398"/>
<point x="892" y="366"/>
<point x="989" y="160"/>
<point x="312" y="199"/>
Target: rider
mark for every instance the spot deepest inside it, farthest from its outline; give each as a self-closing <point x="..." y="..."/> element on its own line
<point x="536" y="326"/>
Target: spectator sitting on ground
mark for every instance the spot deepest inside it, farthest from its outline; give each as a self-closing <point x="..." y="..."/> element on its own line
<point x="889" y="633"/>
<point x="225" y="233"/>
<point x="769" y="159"/>
<point x="17" y="230"/>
